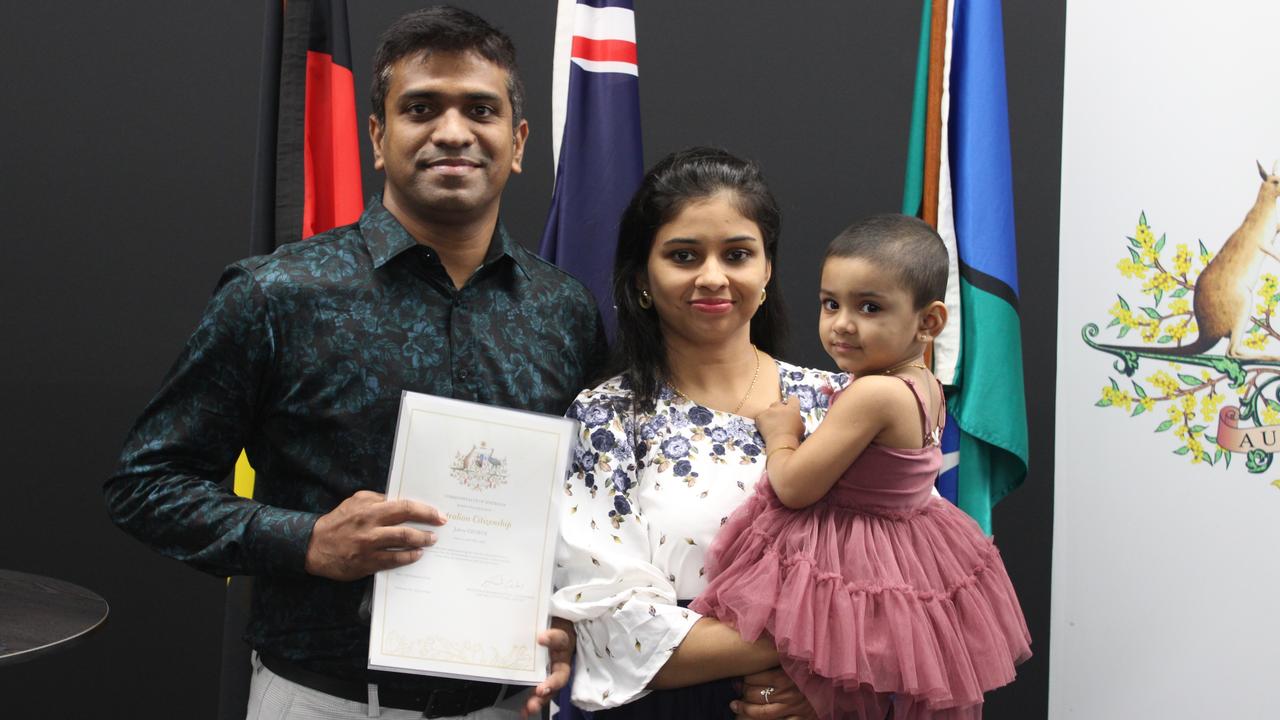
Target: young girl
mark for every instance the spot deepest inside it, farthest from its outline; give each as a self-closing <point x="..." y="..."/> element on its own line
<point x="877" y="594"/>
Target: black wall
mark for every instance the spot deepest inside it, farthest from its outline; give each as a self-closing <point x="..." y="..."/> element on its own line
<point x="127" y="153"/>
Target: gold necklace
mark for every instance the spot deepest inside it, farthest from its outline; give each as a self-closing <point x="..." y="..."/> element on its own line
<point x="754" y="376"/>
<point x="908" y="364"/>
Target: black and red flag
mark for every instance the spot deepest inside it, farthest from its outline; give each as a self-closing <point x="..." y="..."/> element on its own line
<point x="306" y="180"/>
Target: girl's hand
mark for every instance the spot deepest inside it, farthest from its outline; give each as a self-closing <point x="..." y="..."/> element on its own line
<point x="780" y="423"/>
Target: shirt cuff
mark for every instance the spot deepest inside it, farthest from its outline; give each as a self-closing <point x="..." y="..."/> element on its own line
<point x="277" y="539"/>
<point x="641" y="639"/>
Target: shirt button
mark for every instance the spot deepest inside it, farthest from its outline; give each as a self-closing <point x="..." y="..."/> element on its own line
<point x="463" y="373"/>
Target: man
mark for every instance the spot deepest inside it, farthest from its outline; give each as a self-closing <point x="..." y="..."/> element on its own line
<point x="300" y="359"/>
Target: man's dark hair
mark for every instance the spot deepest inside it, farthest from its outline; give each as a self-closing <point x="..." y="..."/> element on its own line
<point x="904" y="246"/>
<point x="443" y="29"/>
<point x="683" y="177"/>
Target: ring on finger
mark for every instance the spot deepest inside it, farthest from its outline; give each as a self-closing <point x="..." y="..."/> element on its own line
<point x="765" y="693"/>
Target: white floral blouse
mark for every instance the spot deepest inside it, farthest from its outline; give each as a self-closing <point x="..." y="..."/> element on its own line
<point x="645" y="495"/>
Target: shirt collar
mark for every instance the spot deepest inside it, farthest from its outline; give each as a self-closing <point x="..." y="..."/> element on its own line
<point x="386" y="238"/>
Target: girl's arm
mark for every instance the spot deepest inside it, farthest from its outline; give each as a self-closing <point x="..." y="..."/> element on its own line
<point x="802" y="474"/>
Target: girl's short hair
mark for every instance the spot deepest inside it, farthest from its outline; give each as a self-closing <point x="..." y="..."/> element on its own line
<point x="682" y="177"/>
<point x="904" y="246"/>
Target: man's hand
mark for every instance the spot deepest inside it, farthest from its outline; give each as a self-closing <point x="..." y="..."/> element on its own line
<point x="784" y="698"/>
<point x="364" y="535"/>
<point x="560" y="640"/>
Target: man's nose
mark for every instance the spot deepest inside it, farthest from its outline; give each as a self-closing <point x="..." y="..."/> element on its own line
<point x="452" y="130"/>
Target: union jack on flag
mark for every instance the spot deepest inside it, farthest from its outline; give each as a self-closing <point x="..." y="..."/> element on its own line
<point x="595" y="118"/>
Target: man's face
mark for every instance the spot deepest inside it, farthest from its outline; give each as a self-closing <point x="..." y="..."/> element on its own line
<point x="448" y="144"/>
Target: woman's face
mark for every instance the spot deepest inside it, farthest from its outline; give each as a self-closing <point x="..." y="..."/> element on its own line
<point x="706" y="271"/>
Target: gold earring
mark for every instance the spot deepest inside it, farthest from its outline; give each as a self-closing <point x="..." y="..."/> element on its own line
<point x="763" y="295"/>
<point x="645" y="301"/>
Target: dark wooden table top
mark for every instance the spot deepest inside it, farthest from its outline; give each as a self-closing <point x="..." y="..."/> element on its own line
<point x="39" y="615"/>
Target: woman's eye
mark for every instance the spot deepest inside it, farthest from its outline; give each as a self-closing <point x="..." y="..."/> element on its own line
<point x="738" y="255"/>
<point x="682" y="256"/>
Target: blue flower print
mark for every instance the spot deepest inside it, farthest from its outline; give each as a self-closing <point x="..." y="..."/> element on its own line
<point x="719" y="434"/>
<point x="682" y="468"/>
<point x="602" y="439"/>
<point x="620" y="505"/>
<point x="741" y="432"/>
<point x="597" y="414"/>
<point x="805" y="395"/>
<point x="751" y="449"/>
<point x="717" y="449"/>
<point x="675" y="447"/>
<point x="621" y="480"/>
<point x="699" y="415"/>
<point x="678" y="418"/>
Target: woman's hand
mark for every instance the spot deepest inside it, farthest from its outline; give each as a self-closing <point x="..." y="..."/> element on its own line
<point x="780" y="424"/>
<point x="771" y="695"/>
<point x="560" y="640"/>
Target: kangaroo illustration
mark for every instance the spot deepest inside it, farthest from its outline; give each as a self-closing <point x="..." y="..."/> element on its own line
<point x="1223" y="300"/>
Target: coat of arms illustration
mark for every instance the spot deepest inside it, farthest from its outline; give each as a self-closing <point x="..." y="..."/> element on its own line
<point x="478" y="469"/>
<point x="1215" y="406"/>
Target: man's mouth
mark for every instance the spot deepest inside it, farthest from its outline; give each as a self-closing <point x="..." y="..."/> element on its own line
<point x="452" y="166"/>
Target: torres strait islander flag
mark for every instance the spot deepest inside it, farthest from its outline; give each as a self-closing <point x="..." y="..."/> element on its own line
<point x="959" y="179"/>
<point x="595" y="134"/>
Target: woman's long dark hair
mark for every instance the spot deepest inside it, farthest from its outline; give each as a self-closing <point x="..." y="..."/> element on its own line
<point x="684" y="176"/>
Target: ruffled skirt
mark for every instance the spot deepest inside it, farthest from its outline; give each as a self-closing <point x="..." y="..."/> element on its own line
<point x="871" y="608"/>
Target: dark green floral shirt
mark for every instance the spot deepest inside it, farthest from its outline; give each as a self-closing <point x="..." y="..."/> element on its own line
<point x="300" y="359"/>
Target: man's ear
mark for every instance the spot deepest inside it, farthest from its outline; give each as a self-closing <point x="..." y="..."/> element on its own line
<point x="376" y="130"/>
<point x="519" y="137"/>
<point x="933" y="319"/>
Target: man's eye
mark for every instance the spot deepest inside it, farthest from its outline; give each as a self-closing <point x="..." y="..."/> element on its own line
<point x="483" y="111"/>
<point x="417" y="109"/>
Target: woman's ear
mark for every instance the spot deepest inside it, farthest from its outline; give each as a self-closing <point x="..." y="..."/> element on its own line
<point x="932" y="319"/>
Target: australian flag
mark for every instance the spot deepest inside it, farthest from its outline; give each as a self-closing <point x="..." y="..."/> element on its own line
<point x="595" y="114"/>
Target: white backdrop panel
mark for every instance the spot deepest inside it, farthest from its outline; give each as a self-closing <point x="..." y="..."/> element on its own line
<point x="1166" y="574"/>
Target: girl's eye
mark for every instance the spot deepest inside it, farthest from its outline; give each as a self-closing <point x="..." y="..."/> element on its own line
<point x="869" y="307"/>
<point x="830" y="305"/>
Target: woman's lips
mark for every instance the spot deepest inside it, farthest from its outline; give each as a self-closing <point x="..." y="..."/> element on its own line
<point x="713" y="306"/>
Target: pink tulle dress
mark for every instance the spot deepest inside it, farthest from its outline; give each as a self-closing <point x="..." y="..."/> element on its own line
<point x="880" y="594"/>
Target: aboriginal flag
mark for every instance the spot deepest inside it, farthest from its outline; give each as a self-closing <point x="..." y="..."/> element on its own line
<point x="307" y="178"/>
<point x="306" y="181"/>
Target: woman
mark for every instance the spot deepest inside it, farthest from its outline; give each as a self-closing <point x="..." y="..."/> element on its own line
<point x="668" y="448"/>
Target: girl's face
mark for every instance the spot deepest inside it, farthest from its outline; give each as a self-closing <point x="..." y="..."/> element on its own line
<point x="868" y="320"/>
<point x="706" y="271"/>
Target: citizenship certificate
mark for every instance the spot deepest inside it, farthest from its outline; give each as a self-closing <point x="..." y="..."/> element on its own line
<point x="473" y="605"/>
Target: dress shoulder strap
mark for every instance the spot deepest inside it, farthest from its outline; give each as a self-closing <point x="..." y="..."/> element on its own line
<point x="930" y="431"/>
